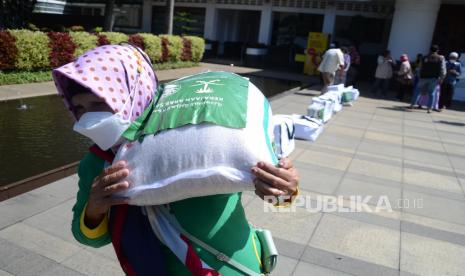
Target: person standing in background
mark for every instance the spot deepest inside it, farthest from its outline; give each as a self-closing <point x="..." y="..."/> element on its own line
<point x="432" y="73"/>
<point x="333" y="59"/>
<point x="352" y="74"/>
<point x="454" y="69"/>
<point x="404" y="77"/>
<point x="341" y="74"/>
<point x="416" y="69"/>
<point x="383" y="73"/>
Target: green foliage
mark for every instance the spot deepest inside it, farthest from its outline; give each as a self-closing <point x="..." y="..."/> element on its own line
<point x="24" y="77"/>
<point x="115" y="38"/>
<point x="175" y="46"/>
<point x="32" y="27"/>
<point x="26" y="50"/>
<point x="83" y="41"/>
<point x="97" y="30"/>
<point x="198" y="47"/>
<point x="152" y="46"/>
<point x="77" y="28"/>
<point x="33" y="50"/>
<point x="185" y="22"/>
<point x="42" y="76"/>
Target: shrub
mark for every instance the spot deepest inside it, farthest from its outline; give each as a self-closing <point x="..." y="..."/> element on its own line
<point x="198" y="47"/>
<point x="62" y="49"/>
<point x="76" y="29"/>
<point x="33" y="51"/>
<point x="164" y="49"/>
<point x="13" y="77"/>
<point x="152" y="45"/>
<point x="8" y="51"/>
<point x="137" y="40"/>
<point x="97" y="30"/>
<point x="32" y="27"/>
<point x="102" y="39"/>
<point x="83" y="41"/>
<point x="174" y="47"/>
<point x="115" y="38"/>
<point x="186" y="49"/>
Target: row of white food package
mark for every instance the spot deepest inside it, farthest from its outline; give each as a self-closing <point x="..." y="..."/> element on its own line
<point x="309" y="127"/>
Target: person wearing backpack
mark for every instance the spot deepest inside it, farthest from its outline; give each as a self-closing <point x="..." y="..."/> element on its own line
<point x="432" y="73"/>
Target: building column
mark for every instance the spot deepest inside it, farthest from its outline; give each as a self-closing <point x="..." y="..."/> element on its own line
<point x="266" y="23"/>
<point x="329" y="20"/>
<point x="413" y="27"/>
<point x="209" y="30"/>
<point x="147" y="16"/>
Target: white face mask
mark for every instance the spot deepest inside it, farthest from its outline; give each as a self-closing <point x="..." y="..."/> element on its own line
<point x="103" y="128"/>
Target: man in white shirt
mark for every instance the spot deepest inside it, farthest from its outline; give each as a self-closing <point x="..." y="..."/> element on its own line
<point x="333" y="60"/>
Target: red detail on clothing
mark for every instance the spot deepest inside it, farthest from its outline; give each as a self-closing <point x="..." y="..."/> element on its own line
<point x="105" y="155"/>
<point x="194" y="264"/>
<point x="120" y="213"/>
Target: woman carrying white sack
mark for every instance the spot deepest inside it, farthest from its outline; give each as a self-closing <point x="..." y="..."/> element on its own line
<point x="99" y="217"/>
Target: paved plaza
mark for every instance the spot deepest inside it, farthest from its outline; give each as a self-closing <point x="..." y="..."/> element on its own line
<point x="414" y="160"/>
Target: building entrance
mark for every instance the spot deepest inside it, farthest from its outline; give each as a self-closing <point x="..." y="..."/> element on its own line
<point x="236" y="29"/>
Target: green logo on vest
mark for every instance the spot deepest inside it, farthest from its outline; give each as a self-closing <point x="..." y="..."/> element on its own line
<point x="213" y="97"/>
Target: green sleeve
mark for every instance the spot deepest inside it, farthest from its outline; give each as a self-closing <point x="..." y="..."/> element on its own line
<point x="89" y="167"/>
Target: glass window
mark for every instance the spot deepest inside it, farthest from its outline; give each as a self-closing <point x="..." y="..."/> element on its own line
<point x="293" y="28"/>
<point x="128" y="16"/>
<point x="359" y="29"/>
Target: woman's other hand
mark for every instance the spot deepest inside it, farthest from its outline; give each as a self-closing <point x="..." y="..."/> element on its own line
<point x="109" y="182"/>
<point x="275" y="181"/>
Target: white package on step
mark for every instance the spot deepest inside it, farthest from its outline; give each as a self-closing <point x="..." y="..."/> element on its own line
<point x="202" y="159"/>
<point x="338" y="87"/>
<point x="321" y="108"/>
<point x="335" y="97"/>
<point x="307" y="128"/>
<point x="283" y="135"/>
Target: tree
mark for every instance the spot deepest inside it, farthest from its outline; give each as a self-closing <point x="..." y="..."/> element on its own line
<point x="15" y="14"/>
<point x="185" y="24"/>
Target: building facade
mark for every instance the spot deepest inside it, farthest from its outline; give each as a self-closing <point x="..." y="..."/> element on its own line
<point x="403" y="26"/>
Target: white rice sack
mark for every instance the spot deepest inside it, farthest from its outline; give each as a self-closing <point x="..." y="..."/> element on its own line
<point x="200" y="159"/>
<point x="321" y="108"/>
<point x="283" y="135"/>
<point x="338" y="87"/>
<point x="335" y="97"/>
<point x="307" y="128"/>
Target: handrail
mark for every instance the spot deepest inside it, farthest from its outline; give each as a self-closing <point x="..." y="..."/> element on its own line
<point x="36" y="181"/>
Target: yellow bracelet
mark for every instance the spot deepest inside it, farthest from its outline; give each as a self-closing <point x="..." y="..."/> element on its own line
<point x="291" y="199"/>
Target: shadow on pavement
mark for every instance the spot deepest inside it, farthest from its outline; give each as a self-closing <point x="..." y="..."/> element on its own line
<point x="450" y="123"/>
<point x="402" y="108"/>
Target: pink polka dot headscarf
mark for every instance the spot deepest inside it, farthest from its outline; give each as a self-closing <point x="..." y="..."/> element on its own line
<point x="111" y="72"/>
